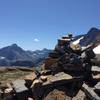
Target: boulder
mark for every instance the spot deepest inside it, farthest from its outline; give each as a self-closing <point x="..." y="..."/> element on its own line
<point x="20" y="89"/>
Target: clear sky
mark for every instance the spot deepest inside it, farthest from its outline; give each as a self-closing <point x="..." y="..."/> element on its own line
<point x="36" y="24"/>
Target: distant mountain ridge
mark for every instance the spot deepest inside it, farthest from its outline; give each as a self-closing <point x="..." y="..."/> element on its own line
<point x="15" y="56"/>
<point x="14" y="52"/>
<point x="39" y="55"/>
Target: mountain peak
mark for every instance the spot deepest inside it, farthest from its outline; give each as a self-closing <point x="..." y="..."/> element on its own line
<point x="93" y="30"/>
<point x="14" y="45"/>
<point x="91" y="37"/>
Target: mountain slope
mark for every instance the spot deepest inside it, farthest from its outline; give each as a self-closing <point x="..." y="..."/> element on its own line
<point x="39" y="55"/>
<point x="13" y="53"/>
<point x="92" y="36"/>
<point x="15" y="56"/>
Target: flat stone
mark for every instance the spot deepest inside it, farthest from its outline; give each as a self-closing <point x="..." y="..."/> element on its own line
<point x="20" y="89"/>
<point x="96" y="68"/>
<point x="80" y="96"/>
<point x="90" y="93"/>
<point x="30" y="77"/>
<point x="97" y="86"/>
<point x="60" y="78"/>
<point x="19" y="86"/>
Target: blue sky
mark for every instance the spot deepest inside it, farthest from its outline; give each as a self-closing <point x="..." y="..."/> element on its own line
<point x="36" y="24"/>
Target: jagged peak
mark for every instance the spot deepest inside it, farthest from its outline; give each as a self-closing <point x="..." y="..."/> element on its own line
<point x="93" y="30"/>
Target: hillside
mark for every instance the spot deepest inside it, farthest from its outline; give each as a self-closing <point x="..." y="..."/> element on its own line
<point x="16" y="56"/>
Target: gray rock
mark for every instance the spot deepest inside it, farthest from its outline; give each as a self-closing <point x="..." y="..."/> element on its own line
<point x="90" y="93"/>
<point x="20" y="89"/>
<point x="97" y="86"/>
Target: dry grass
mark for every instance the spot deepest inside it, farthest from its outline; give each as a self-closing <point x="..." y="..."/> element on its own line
<point x="11" y="74"/>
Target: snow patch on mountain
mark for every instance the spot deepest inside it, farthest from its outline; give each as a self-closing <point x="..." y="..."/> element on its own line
<point x="77" y="41"/>
<point x="97" y="50"/>
<point x="2" y="57"/>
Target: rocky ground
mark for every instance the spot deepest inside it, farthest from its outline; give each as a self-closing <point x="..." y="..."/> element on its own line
<point x="86" y="93"/>
<point x="9" y="74"/>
